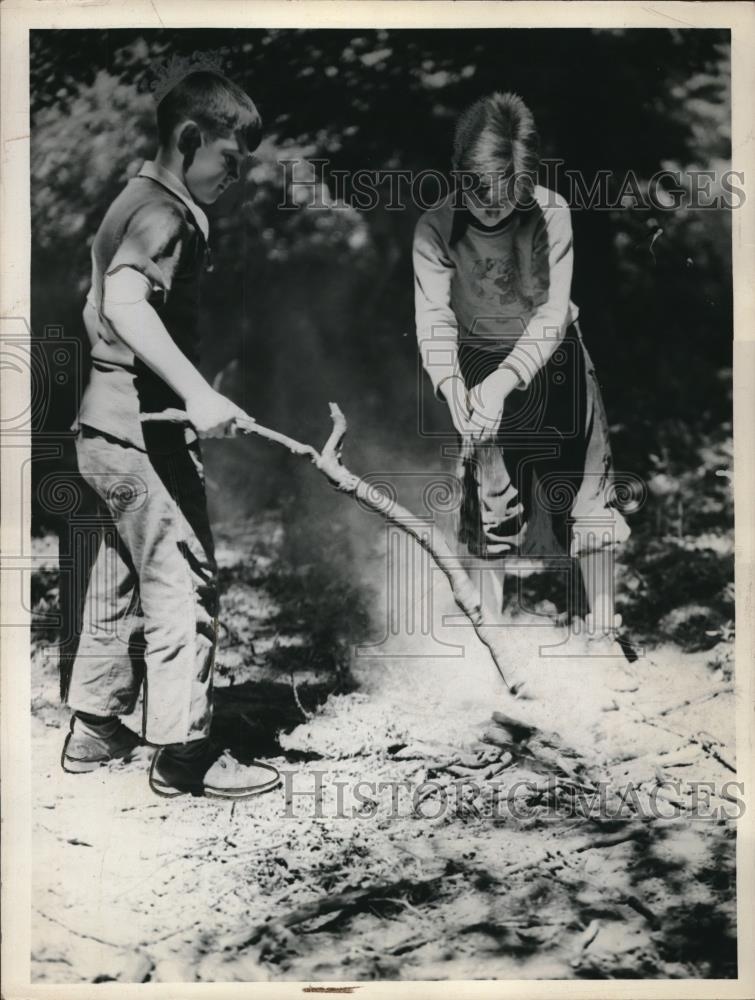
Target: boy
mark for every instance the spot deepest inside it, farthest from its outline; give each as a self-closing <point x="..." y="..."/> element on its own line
<point x="152" y="604"/>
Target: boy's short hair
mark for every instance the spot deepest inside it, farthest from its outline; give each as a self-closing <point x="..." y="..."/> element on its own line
<point x="218" y="106"/>
<point x="496" y="138"/>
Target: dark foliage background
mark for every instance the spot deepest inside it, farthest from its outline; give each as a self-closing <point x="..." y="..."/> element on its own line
<point x="308" y="306"/>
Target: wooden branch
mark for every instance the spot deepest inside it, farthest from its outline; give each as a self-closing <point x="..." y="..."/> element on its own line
<point x="328" y="461"/>
<point x="509" y="733"/>
<point x="247" y="426"/>
<point x="465" y="593"/>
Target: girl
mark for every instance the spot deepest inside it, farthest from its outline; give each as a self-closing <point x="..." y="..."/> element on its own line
<point x="499" y="338"/>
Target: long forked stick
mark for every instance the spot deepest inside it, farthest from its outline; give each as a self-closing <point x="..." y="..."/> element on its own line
<point x="328" y="461"/>
<point x="465" y="593"/>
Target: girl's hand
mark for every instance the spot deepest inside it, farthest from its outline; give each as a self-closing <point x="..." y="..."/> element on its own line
<point x="487" y="400"/>
<point x="455" y="392"/>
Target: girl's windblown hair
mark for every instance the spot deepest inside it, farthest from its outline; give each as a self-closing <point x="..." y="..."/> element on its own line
<point x="496" y="140"/>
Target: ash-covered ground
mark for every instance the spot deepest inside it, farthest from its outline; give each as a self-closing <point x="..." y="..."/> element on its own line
<point x="407" y="841"/>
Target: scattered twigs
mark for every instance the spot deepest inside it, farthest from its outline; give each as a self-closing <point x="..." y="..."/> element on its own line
<point x="556" y="856"/>
<point x="307" y="715"/>
<point x="345" y="903"/>
<point x="80" y="934"/>
<point x="589" y="935"/>
<point x="723" y="689"/>
<point x="484" y="764"/>
<point x="560" y="859"/>
<point x="409" y="944"/>
<point x="629" y="899"/>
<point x="685" y="756"/>
<point x="539" y="747"/>
<point x="401" y="902"/>
<point x="713" y="747"/>
<point x="277" y="932"/>
<point x="356" y="899"/>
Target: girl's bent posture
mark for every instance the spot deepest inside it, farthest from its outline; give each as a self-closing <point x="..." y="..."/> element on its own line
<point x="499" y="338"/>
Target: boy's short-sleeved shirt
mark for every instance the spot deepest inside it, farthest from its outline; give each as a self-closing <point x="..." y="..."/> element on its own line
<point x="156" y="228"/>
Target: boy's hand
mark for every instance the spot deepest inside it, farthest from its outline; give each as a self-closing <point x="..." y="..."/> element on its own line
<point x="214" y="415"/>
<point x="487" y="400"/>
<point x="455" y="393"/>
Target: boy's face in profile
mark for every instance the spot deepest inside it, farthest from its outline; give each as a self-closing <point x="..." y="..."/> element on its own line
<point x="216" y="165"/>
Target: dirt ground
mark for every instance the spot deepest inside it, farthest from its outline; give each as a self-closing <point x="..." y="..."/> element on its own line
<point x="405" y="842"/>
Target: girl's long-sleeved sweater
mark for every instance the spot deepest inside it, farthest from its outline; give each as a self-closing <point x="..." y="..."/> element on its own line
<point x="504" y="289"/>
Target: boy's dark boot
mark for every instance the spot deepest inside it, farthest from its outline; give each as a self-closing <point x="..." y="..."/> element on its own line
<point x="93" y="742"/>
<point x="199" y="768"/>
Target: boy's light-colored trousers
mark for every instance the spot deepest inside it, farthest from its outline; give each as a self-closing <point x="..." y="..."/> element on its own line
<point x="150" y="613"/>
